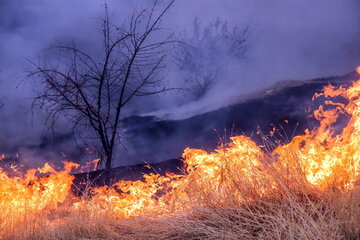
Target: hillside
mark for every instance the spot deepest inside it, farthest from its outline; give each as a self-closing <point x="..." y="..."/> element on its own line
<point x="155" y="141"/>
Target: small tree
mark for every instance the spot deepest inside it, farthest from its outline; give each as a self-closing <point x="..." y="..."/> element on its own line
<point x="200" y="59"/>
<point x="93" y="93"/>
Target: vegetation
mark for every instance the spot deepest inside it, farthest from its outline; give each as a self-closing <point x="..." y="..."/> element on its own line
<point x="207" y="51"/>
<point x="94" y="92"/>
<point x="238" y="210"/>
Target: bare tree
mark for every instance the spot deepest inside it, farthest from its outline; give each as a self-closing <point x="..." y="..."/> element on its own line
<point x="201" y="60"/>
<point x="92" y="92"/>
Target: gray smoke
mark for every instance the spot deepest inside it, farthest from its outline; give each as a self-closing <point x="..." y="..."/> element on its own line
<point x="287" y="40"/>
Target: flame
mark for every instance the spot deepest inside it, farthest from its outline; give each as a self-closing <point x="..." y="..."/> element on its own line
<point x="325" y="159"/>
<point x="29" y="193"/>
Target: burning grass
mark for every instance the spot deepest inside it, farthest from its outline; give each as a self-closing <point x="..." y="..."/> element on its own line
<point x="306" y="189"/>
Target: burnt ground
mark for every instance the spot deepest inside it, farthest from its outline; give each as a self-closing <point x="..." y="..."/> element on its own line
<point x="157" y="140"/>
<point x="127" y="173"/>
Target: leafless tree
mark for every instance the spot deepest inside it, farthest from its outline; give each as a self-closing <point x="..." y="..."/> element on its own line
<point x="201" y="60"/>
<point x="93" y="92"/>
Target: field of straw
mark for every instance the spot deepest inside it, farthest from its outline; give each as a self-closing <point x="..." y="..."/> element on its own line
<point x="275" y="205"/>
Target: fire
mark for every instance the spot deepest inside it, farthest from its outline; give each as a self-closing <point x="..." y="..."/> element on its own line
<point x="328" y="159"/>
<point x="322" y="158"/>
<point x="21" y="195"/>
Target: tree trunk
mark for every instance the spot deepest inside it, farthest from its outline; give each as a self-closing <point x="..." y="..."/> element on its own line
<point x="108" y="160"/>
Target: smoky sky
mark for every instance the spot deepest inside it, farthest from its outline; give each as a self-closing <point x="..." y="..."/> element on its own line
<point x="288" y="40"/>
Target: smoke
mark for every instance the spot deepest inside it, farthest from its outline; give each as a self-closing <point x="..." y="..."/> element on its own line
<point x="287" y="40"/>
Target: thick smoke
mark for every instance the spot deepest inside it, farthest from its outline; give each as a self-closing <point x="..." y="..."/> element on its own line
<point x="287" y="40"/>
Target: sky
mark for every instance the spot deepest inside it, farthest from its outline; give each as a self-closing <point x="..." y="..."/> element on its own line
<point x="288" y="39"/>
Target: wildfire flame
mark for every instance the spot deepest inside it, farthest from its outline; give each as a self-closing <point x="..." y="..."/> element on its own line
<point x="327" y="159"/>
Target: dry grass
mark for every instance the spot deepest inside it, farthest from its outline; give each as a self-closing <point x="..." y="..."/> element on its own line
<point x="274" y="205"/>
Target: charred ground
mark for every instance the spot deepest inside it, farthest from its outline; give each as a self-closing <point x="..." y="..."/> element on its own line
<point x="286" y="106"/>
